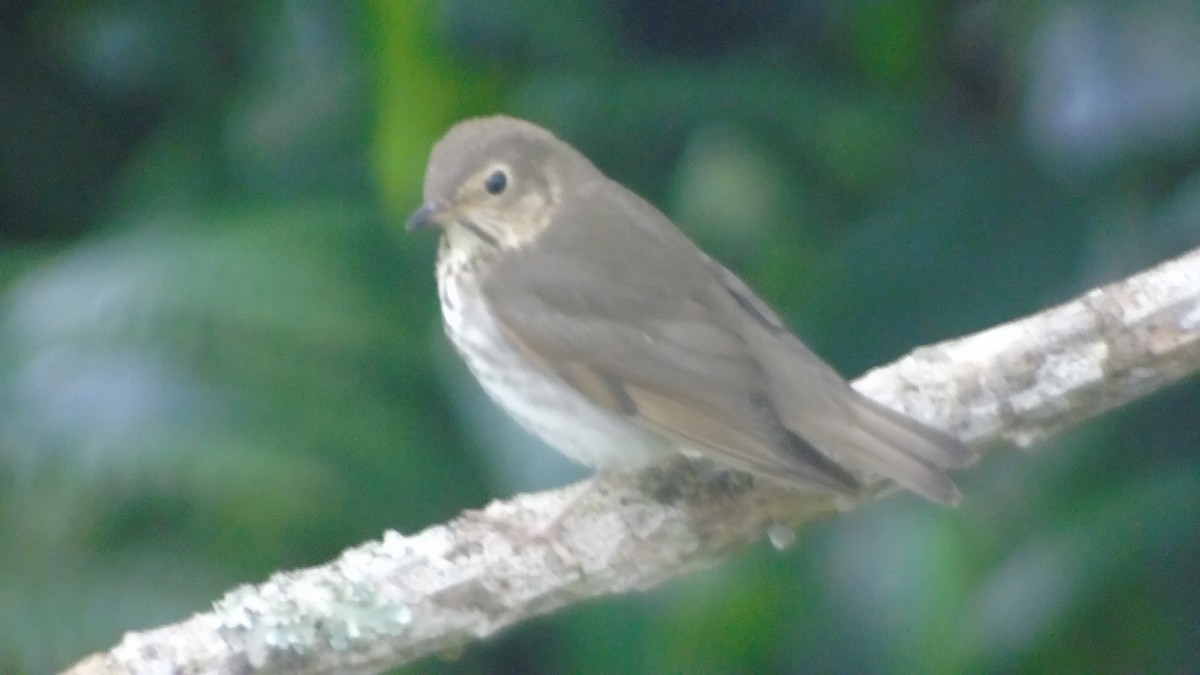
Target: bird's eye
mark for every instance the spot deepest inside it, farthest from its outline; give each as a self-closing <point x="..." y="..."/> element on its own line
<point x="496" y="182"/>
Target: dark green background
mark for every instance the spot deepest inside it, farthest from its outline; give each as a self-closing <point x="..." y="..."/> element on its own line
<point x="219" y="356"/>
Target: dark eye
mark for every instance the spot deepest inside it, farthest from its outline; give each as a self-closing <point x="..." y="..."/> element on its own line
<point x="496" y="182"/>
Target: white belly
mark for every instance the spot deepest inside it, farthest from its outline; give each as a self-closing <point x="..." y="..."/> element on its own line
<point x="540" y="402"/>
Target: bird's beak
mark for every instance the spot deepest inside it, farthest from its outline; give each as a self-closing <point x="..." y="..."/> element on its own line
<point x="423" y="218"/>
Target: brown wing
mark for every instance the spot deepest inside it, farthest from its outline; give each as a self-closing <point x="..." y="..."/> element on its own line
<point x="635" y="327"/>
<point x="813" y="401"/>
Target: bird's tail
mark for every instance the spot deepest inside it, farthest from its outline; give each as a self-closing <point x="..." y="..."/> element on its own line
<point x="897" y="447"/>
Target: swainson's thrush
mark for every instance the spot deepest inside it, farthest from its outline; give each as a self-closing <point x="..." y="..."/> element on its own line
<point x="598" y="325"/>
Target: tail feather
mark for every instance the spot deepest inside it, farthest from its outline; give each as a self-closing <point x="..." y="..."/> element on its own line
<point x="817" y="405"/>
<point x="905" y="451"/>
<point x="931" y="445"/>
<point x="885" y="459"/>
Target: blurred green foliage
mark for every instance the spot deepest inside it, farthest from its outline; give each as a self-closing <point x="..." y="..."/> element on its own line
<point x="219" y="357"/>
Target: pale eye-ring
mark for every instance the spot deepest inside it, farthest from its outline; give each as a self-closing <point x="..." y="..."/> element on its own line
<point x="496" y="182"/>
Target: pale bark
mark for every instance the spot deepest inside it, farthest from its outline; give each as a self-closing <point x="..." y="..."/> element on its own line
<point x="390" y="602"/>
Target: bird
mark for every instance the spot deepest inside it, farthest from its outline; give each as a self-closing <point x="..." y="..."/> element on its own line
<point x="599" y="326"/>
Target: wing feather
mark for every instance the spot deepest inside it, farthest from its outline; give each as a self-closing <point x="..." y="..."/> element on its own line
<point x="629" y="313"/>
<point x="667" y="359"/>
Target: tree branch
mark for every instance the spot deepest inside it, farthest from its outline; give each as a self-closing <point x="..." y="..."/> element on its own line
<point x="390" y="602"/>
